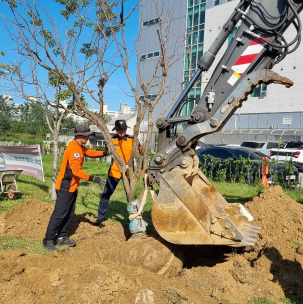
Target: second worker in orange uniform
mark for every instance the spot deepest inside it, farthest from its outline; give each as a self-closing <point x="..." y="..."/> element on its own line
<point x="124" y="145"/>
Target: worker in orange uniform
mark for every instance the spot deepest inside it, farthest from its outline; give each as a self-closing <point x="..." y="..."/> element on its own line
<point x="265" y="166"/>
<point x="123" y="144"/>
<point x="67" y="188"/>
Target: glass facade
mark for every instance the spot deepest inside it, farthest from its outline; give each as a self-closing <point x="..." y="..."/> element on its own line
<point x="149" y="55"/>
<point x="193" y="49"/>
<point x="151" y="97"/>
<point x="150" y="22"/>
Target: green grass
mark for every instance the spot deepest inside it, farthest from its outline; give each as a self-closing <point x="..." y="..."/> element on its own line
<point x="296" y="243"/>
<point x="282" y="301"/>
<point x="296" y="195"/>
<point x="265" y="301"/>
<point x="240" y="193"/>
<point x="89" y="193"/>
<point x="297" y="300"/>
<point x="28" y="246"/>
<point x="237" y="193"/>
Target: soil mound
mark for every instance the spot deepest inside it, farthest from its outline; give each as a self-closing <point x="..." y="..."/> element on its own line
<point x="153" y="254"/>
<point x="107" y="267"/>
<point x="280" y="247"/>
<point x="28" y="220"/>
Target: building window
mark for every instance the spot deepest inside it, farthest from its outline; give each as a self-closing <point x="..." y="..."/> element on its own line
<point x="150" y="97"/>
<point x="216" y="2"/>
<point x="260" y="91"/>
<point x="151" y="22"/>
<point x="194" y="50"/>
<point x="149" y="55"/>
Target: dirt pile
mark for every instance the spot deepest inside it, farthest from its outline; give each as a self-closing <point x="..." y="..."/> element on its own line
<point x="280" y="247"/>
<point x="106" y="267"/>
<point x="27" y="220"/>
<point x="150" y="253"/>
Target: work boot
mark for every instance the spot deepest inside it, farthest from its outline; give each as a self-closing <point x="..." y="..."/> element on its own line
<point x="64" y="240"/>
<point x="49" y="246"/>
<point x="97" y="222"/>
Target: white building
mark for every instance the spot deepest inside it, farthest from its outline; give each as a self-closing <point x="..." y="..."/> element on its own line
<point x="32" y="99"/>
<point x="125" y="109"/>
<point x="7" y="98"/>
<point x="272" y="111"/>
<point x="112" y="114"/>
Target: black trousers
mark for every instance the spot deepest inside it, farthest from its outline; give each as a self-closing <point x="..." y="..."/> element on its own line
<point x="62" y="215"/>
<point x="109" y="188"/>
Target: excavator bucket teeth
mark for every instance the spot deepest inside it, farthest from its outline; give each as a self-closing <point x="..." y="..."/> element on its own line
<point x="191" y="211"/>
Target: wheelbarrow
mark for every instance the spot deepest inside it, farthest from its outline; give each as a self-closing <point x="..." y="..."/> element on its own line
<point x="8" y="183"/>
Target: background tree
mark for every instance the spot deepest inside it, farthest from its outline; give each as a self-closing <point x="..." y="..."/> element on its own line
<point x="5" y="68"/>
<point x="84" y="51"/>
<point x="7" y="115"/>
<point x="68" y="123"/>
<point x="61" y="94"/>
<point x="32" y="117"/>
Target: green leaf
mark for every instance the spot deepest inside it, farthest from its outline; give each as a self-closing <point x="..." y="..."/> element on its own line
<point x="88" y="50"/>
<point x="65" y="94"/>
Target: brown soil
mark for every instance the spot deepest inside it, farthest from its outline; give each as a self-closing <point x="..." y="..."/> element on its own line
<point x="106" y="267"/>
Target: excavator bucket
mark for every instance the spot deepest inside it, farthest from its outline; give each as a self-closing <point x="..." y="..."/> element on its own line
<point x="190" y="211"/>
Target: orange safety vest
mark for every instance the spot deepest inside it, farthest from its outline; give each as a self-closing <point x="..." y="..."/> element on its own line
<point x="124" y="148"/>
<point x="71" y="169"/>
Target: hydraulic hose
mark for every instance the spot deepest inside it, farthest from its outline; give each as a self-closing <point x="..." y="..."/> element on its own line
<point x="260" y="26"/>
<point x="296" y="39"/>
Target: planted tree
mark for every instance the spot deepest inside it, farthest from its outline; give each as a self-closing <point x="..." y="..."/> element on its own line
<point x="83" y="47"/>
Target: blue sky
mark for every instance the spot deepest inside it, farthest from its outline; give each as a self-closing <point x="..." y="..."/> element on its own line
<point x="113" y="94"/>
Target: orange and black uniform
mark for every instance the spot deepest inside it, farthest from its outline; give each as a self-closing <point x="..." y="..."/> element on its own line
<point x="67" y="188"/>
<point x="71" y="169"/>
<point x="124" y="147"/>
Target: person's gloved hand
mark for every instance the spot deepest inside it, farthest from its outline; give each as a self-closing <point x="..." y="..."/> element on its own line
<point x="97" y="180"/>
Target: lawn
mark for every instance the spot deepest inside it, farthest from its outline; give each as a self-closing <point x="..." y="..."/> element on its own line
<point x="90" y="193"/>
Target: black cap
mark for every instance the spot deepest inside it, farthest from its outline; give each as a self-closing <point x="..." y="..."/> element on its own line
<point x="120" y="124"/>
<point x="82" y="129"/>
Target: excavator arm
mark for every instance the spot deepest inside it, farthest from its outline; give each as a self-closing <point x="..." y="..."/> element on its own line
<point x="187" y="208"/>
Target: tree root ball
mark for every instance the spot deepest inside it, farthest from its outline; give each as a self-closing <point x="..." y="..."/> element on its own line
<point x="154" y="254"/>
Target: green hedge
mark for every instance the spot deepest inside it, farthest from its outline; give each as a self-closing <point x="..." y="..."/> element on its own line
<point x="245" y="171"/>
<point x="24" y="140"/>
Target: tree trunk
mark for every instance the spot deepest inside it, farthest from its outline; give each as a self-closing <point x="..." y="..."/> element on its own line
<point x="55" y="163"/>
<point x="132" y="194"/>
